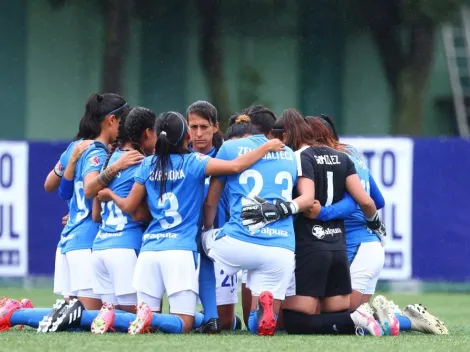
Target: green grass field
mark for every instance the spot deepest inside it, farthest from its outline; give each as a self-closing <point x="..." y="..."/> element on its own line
<point x="453" y="309"/>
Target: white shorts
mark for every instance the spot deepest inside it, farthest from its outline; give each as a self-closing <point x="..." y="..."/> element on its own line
<point x="113" y="274"/>
<point x="226" y="289"/>
<point x="366" y="267"/>
<point x="61" y="277"/>
<point x="171" y="271"/>
<point x="79" y="271"/>
<point x="269" y="268"/>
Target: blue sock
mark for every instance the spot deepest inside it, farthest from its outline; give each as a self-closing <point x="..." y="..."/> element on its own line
<point x="207" y="288"/>
<point x="87" y="318"/>
<point x="253" y="322"/>
<point x="198" y="319"/>
<point x="405" y="323"/>
<point x="170" y="323"/>
<point x="30" y="316"/>
<point x="123" y="320"/>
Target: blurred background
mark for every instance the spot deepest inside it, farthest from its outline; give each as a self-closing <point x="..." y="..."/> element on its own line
<point x="397" y="70"/>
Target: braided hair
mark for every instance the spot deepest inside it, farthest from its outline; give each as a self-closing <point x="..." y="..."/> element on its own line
<point x="120" y="140"/>
<point x="138" y="120"/>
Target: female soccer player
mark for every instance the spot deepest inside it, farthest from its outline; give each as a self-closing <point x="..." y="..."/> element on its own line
<point x="217" y="291"/>
<point x="173" y="180"/>
<point x="120" y="237"/>
<point x="365" y="255"/>
<point x="102" y="114"/>
<point x="322" y="270"/>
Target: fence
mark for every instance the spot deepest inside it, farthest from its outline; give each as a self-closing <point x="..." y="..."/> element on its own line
<point x="426" y="184"/>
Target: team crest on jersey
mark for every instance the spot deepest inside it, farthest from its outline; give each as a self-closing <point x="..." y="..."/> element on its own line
<point x="95" y="161"/>
<point x="200" y="156"/>
<point x="318" y="232"/>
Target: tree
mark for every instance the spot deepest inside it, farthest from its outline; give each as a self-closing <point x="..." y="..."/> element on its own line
<point x="404" y="32"/>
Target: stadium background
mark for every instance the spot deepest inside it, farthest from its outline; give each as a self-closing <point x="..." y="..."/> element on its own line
<point x="317" y="56"/>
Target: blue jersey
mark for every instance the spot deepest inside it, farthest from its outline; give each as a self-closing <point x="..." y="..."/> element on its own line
<point x="355" y="224"/>
<point x="61" y="165"/>
<point x="117" y="229"/>
<point x="81" y="230"/>
<point x="175" y="214"/>
<point x="274" y="175"/>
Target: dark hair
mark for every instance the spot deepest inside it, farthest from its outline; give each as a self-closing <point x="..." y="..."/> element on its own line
<point x="138" y="120"/>
<point x="297" y="131"/>
<point x="323" y="135"/>
<point x="120" y="140"/>
<point x="261" y="117"/>
<point x="97" y="107"/>
<point x="207" y="111"/>
<point x="171" y="129"/>
<point x="328" y="122"/>
<point x="240" y="127"/>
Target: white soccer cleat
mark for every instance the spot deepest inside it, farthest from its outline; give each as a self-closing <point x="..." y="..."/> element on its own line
<point x="386" y="316"/>
<point x="143" y="320"/>
<point x="365" y="321"/>
<point x="423" y="321"/>
<point x="395" y="308"/>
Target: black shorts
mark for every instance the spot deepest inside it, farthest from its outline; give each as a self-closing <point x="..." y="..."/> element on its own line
<point x="322" y="273"/>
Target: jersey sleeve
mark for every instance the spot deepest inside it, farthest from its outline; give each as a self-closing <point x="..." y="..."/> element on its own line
<point x="198" y="165"/>
<point x="305" y="166"/>
<point x="350" y="168"/>
<point x="141" y="173"/>
<point x="94" y="161"/>
<point x="222" y="155"/>
<point x="375" y="194"/>
<point x="339" y="210"/>
<point x="60" y="166"/>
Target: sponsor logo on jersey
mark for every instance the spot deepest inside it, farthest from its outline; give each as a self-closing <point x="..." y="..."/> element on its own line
<point x="104" y="235"/>
<point x="158" y="236"/>
<point x="95" y="161"/>
<point x="274" y="232"/>
<point x="320" y="233"/>
<point x="200" y="156"/>
<point x="327" y="159"/>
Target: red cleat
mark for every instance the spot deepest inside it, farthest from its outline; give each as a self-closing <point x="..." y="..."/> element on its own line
<point x="7" y="307"/>
<point x="266" y="318"/>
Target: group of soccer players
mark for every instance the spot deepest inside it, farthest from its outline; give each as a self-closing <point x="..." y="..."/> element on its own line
<point x="167" y="205"/>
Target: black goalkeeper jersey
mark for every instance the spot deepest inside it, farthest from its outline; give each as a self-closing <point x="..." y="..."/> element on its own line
<point x="329" y="169"/>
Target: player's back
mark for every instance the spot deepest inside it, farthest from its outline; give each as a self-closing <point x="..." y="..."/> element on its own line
<point x="273" y="176"/>
<point x="80" y="230"/>
<point x="64" y="160"/>
<point x="176" y="212"/>
<point x="329" y="169"/>
<point x="118" y="229"/>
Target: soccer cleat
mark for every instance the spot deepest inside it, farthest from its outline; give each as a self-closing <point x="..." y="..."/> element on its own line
<point x="266" y="319"/>
<point x="70" y="317"/>
<point x="365" y="321"/>
<point x="142" y="322"/>
<point x="395" y="308"/>
<point x="387" y="318"/>
<point x="423" y="321"/>
<point x="105" y="319"/>
<point x="238" y="323"/>
<point x="212" y="326"/>
<point x="7" y="307"/>
<point x="57" y="309"/>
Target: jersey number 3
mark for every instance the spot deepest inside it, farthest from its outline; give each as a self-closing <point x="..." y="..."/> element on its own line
<point x="282" y="176"/>
<point x="171" y="212"/>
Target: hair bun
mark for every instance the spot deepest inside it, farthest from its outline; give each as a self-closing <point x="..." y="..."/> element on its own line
<point x="242" y="118"/>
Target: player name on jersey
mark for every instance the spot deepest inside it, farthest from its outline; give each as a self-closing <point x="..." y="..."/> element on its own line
<point x="270" y="155"/>
<point x="171" y="175"/>
<point x="327" y="160"/>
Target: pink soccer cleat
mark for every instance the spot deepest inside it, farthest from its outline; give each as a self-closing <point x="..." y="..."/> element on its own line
<point x="365" y="321"/>
<point x="105" y="319"/>
<point x="142" y="322"/>
<point x="266" y="319"/>
<point x="7" y="307"/>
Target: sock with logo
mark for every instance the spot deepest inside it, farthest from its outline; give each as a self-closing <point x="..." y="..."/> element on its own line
<point x="29" y="316"/>
<point x="331" y="323"/>
<point x="207" y="288"/>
